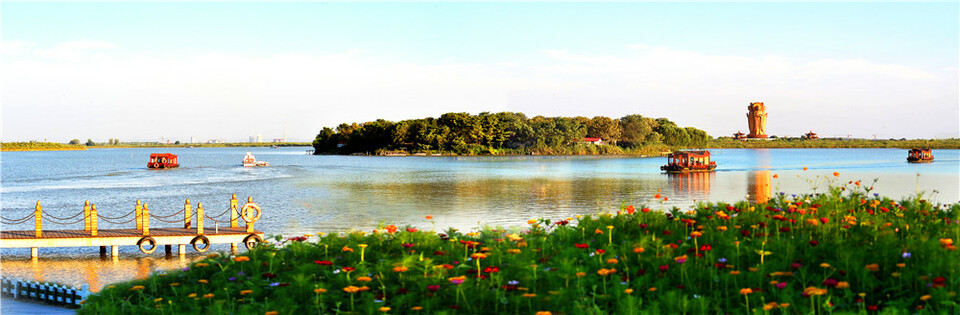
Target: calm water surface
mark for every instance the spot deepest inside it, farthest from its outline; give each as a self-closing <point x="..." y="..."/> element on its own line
<point x="308" y="194"/>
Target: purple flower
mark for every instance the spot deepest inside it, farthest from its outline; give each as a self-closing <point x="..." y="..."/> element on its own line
<point x="876" y="194"/>
<point x="722" y="259"/>
<point x="231" y="279"/>
<point x="240" y="273"/>
<point x="185" y="269"/>
<point x="906" y="255"/>
<point x="275" y="284"/>
<point x="513" y="282"/>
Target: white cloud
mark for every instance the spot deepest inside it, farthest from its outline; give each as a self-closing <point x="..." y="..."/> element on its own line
<point x="91" y="89"/>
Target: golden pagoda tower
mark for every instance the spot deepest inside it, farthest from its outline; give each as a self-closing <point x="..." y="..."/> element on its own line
<point x="757" y="119"/>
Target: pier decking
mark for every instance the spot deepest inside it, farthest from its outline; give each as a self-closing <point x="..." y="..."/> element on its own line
<point x="143" y="236"/>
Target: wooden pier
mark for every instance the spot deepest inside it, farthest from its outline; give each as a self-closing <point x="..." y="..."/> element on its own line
<point x="198" y="236"/>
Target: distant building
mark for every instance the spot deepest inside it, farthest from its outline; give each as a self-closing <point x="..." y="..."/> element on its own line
<point x="279" y="140"/>
<point x="739" y="135"/>
<point x="810" y="136"/>
<point x="259" y="138"/>
<point x="596" y="141"/>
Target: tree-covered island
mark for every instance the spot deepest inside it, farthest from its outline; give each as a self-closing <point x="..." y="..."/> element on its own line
<point x="509" y="133"/>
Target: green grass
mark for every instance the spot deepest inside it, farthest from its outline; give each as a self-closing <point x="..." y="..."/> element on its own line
<point x="39" y="146"/>
<point x="843" y="251"/>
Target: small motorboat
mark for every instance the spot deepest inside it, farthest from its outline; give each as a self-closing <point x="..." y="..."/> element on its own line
<point x="162" y="161"/>
<point x="920" y="156"/>
<point x="250" y="160"/>
<point x="688" y="162"/>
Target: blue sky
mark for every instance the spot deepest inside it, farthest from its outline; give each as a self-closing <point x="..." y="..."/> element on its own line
<point x="228" y="70"/>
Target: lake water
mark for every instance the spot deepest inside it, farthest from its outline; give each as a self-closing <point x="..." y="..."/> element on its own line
<point x="301" y="193"/>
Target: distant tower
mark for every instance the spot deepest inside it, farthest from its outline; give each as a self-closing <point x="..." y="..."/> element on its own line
<point x="757" y="119"/>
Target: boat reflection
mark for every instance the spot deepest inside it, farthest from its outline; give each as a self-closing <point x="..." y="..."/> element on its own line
<point x="693" y="185"/>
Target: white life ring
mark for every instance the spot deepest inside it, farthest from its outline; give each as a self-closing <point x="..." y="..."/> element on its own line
<point x="245" y="212"/>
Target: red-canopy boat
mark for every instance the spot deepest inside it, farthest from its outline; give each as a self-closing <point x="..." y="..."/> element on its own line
<point x="162" y="160"/>
<point x="689" y="161"/>
<point x="920" y="156"/>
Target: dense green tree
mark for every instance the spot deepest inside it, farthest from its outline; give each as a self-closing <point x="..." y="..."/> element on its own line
<point x="74" y="141"/>
<point x="635" y="129"/>
<point x="605" y="128"/>
<point x="90" y="143"/>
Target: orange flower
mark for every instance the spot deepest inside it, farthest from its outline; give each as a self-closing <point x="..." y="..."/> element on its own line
<point x="695" y="234"/>
<point x="746" y="291"/>
<point x="873" y="267"/>
<point x="208" y="295"/>
<point x="245" y="292"/>
<point x="656" y="196"/>
<point x="351" y="289"/>
<point x="529" y="295"/>
<point x="811" y="291"/>
<point x="416" y="308"/>
<point x="581" y="274"/>
<point x="638" y="250"/>
<point x="734" y="272"/>
<point x="605" y="271"/>
<point x="319" y="290"/>
<point x="271" y="313"/>
<point x="804" y="168"/>
<point x="628" y="291"/>
<point x="429" y="217"/>
<point x="241" y="258"/>
<point x="364" y="279"/>
<point x="612" y="261"/>
<point x="347" y="249"/>
<point x="544" y="313"/>
<point x="843" y="285"/>
<point x="944" y="242"/>
<point x="598" y="231"/>
<point x="776" y="176"/>
<point x="836" y="174"/>
<point x="398" y="269"/>
<point x="384" y="309"/>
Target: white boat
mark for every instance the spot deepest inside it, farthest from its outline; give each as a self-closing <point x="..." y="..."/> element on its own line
<point x="250" y="160"/>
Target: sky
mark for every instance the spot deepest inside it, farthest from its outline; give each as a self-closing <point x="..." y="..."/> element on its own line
<point x="226" y="71"/>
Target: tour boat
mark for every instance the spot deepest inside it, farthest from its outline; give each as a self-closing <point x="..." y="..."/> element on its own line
<point x="688" y="162"/>
<point x="162" y="160"/>
<point x="249" y="160"/>
<point x="920" y="156"/>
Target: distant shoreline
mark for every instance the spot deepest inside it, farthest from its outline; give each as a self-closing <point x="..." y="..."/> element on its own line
<point x="50" y="146"/>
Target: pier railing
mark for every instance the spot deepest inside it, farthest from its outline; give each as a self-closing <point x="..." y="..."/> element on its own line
<point x="45" y="292"/>
<point x="193" y="224"/>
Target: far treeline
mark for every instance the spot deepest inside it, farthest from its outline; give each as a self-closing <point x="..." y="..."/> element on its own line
<point x="509" y="133"/>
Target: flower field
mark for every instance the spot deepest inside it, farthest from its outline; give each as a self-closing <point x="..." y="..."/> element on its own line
<point x="843" y="251"/>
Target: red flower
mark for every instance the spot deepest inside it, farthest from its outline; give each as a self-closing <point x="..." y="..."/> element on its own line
<point x="814" y="243"/>
<point x="582" y="246"/>
<point x="644" y="225"/>
<point x="664" y="268"/>
<point x="830" y="282"/>
<point x="407" y="245"/>
<point x="348" y="269"/>
<point x="412" y="230"/>
<point x="323" y="262"/>
<point x="645" y="210"/>
<point x="269" y="275"/>
<point x="871" y="307"/>
<point x="491" y="269"/>
<point x="706" y="247"/>
<point x="433" y="288"/>
<point x="601" y="252"/>
<point x="631" y="209"/>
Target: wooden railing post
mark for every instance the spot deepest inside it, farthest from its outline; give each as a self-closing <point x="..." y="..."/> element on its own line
<point x="187" y="214"/>
<point x="93" y="220"/>
<point x="233" y="211"/>
<point x="139" y="209"/>
<point x="146" y="220"/>
<point x="86" y="215"/>
<point x="38" y="219"/>
<point x="249" y="224"/>
<point x="199" y="218"/>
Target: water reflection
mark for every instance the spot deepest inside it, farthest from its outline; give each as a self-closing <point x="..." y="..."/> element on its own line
<point x="758" y="186"/>
<point x="693" y="185"/>
<point x="94" y="272"/>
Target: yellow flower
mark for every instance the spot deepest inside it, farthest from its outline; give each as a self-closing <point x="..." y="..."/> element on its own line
<point x="513" y="251"/>
<point x="746" y="291"/>
<point x="532" y="221"/>
<point x="175" y="284"/>
<point x="895" y="274"/>
<point x="384" y="309"/>
<point x="628" y="291"/>
<point x="136" y="288"/>
<point x="208" y="295"/>
<point x="925" y="297"/>
<point x="811" y="291"/>
<point x="201" y="265"/>
<point x="245" y="292"/>
<point x="192" y="295"/>
<point x="204" y="281"/>
<point x="319" y="290"/>
<point x="843" y="285"/>
<point x="824" y="265"/>
<point x="362" y="245"/>
<point x="605" y="271"/>
<point x="609" y="227"/>
<point x="695" y="234"/>
<point x="157" y="300"/>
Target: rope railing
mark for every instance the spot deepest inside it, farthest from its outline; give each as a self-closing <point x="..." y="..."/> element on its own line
<point x="117" y="218"/>
<point x="90" y="217"/>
